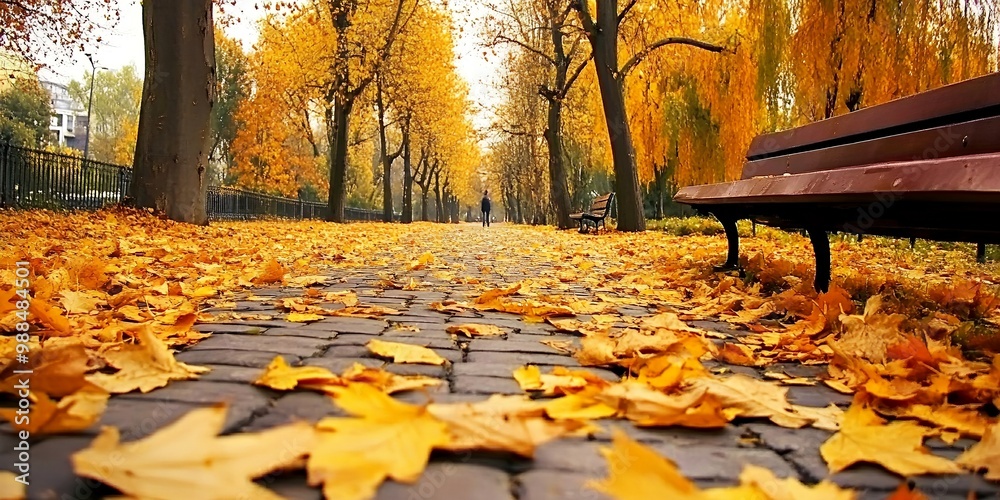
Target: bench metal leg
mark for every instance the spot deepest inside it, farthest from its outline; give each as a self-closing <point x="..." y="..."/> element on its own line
<point x="821" y="247"/>
<point x="733" y="257"/>
<point x="980" y="252"/>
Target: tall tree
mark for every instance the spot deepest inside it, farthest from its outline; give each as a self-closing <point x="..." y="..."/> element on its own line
<point x="233" y="77"/>
<point x="545" y="28"/>
<point x="357" y="24"/>
<point x="602" y="28"/>
<point x="24" y="114"/>
<point x="114" y="114"/>
<point x="171" y="154"/>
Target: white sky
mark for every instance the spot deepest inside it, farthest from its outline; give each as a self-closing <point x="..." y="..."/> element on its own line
<point x="123" y="44"/>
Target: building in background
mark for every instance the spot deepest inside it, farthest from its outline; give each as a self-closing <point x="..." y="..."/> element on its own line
<point x="68" y="125"/>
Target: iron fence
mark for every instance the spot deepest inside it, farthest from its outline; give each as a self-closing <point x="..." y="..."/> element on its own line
<point x="31" y="178"/>
<point x="41" y="179"/>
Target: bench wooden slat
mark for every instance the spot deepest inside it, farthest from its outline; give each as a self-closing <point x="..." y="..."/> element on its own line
<point x="959" y="179"/>
<point x="969" y="138"/>
<point x="949" y="104"/>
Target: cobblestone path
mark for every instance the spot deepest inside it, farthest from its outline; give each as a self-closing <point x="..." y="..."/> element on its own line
<point x="239" y="350"/>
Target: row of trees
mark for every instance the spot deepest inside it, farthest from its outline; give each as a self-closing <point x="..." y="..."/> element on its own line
<point x="395" y="114"/>
<point x="661" y="94"/>
<point x="333" y="88"/>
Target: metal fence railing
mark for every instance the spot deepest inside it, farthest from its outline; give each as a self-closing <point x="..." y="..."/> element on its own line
<point x="31" y="178"/>
<point x="40" y="179"/>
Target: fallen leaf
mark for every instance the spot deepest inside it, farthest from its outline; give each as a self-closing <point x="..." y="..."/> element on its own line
<point x="187" y="459"/>
<point x="639" y="473"/>
<point x="503" y="423"/>
<point x="75" y="412"/>
<point x="405" y="353"/>
<point x="742" y="396"/>
<point x="648" y="407"/>
<point x="984" y="455"/>
<point x="863" y="438"/>
<point x="302" y="317"/>
<point x="144" y="366"/>
<point x="80" y="302"/>
<point x="385" y="438"/>
<point x="475" y="330"/>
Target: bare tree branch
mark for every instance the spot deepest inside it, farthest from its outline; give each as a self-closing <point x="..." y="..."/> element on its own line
<point x="638" y="57"/>
<point x="575" y="75"/>
<point x="525" y="46"/>
<point x="625" y="11"/>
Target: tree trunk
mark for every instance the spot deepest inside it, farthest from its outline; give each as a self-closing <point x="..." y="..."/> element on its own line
<point x="605" y="45"/>
<point x="423" y="203"/>
<point x="438" y="207"/>
<point x="338" y="157"/>
<point x="553" y="134"/>
<point x="174" y="138"/>
<point x="384" y="155"/>
<point x="407" y="216"/>
<point x="557" y="170"/>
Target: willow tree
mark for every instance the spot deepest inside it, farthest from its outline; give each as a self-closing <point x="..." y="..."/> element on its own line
<point x="174" y="138"/>
<point x="602" y="30"/>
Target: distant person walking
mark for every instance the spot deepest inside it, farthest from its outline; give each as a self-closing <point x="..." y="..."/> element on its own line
<point x="486" y="208"/>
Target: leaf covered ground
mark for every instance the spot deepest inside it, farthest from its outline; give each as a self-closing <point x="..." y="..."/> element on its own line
<point x="906" y="335"/>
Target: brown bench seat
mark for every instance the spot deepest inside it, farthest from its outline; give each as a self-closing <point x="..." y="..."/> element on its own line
<point x="598" y="212"/>
<point x="925" y="166"/>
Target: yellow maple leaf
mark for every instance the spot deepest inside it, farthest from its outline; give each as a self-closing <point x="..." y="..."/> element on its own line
<point x="386" y="381"/>
<point x="81" y="302"/>
<point x="503" y="423"/>
<point x="789" y="488"/>
<point x="297" y="317"/>
<point x="475" y="330"/>
<point x="648" y="407"/>
<point x="405" y="353"/>
<point x="560" y="381"/>
<point x="967" y="421"/>
<point x="984" y="454"/>
<point x="494" y="294"/>
<point x="639" y="473"/>
<point x="742" y="396"/>
<point x="580" y="405"/>
<point x="72" y="413"/>
<point x="187" y="459"/>
<point x="863" y="438"/>
<point x="57" y="370"/>
<point x="50" y="316"/>
<point x="144" y="366"/>
<point x="448" y="306"/>
<point x="871" y="334"/>
<point x="387" y="439"/>
<point x="279" y="375"/>
<point x="271" y="272"/>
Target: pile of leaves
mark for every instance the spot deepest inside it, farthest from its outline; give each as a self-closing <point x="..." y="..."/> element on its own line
<point x="113" y="292"/>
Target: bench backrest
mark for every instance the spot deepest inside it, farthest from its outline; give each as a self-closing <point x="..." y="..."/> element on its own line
<point x="601" y="204"/>
<point x="954" y="120"/>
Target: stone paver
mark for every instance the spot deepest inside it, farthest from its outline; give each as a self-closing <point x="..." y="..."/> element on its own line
<point x="239" y="350"/>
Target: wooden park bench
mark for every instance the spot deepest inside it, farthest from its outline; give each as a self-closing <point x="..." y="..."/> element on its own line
<point x="924" y="166"/>
<point x="598" y="212"/>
